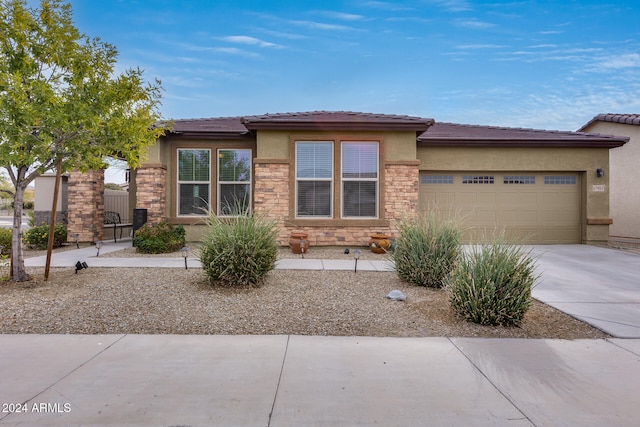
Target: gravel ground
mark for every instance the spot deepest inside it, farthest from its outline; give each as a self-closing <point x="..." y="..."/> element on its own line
<point x="178" y="301"/>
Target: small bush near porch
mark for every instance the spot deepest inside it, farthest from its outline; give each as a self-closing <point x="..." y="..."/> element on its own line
<point x="159" y="238"/>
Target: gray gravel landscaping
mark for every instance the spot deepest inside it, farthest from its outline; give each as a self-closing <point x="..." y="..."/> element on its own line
<point x="178" y="301"/>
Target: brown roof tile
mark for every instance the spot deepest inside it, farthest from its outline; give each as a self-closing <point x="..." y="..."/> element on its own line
<point x="217" y="124"/>
<point x="452" y="134"/>
<point x="338" y="120"/>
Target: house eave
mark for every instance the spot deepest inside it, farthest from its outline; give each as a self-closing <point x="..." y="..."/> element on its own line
<point x="341" y="126"/>
<point x="593" y="143"/>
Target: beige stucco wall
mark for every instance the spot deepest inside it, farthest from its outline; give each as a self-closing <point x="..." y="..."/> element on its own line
<point x="585" y="161"/>
<point x="276" y="144"/>
<point x="624" y="175"/>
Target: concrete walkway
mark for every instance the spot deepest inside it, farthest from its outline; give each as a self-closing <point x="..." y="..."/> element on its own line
<point x="170" y="380"/>
<point x="90" y="256"/>
<point x="142" y="380"/>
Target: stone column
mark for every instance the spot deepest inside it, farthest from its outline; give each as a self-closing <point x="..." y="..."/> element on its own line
<point x="401" y="191"/>
<point x="86" y="205"/>
<point x="151" y="188"/>
<point x="271" y="191"/>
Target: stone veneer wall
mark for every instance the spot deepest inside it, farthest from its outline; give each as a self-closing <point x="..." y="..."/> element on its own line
<point x="271" y="194"/>
<point x="151" y="185"/>
<point x="85" y="214"/>
<point x="401" y="190"/>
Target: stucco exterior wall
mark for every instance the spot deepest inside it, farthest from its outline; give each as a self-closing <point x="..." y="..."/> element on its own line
<point x="624" y="176"/>
<point x="584" y="161"/>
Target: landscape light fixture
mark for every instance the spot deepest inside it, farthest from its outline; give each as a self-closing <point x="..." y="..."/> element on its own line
<point x="99" y="246"/>
<point x="302" y="248"/>
<point x="81" y="265"/>
<point x="356" y="256"/>
<point x="185" y="252"/>
<point x="76" y="237"/>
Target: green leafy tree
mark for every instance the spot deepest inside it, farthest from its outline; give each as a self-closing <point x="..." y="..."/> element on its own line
<point x="62" y="106"/>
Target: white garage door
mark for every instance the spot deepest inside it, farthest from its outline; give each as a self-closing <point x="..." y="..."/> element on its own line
<point x="532" y="207"/>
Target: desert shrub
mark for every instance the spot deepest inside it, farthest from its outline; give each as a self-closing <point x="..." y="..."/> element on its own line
<point x="38" y="237"/>
<point x="492" y="284"/>
<point x="159" y="238"/>
<point x="426" y="250"/>
<point x="239" y="251"/>
<point x="5" y="241"/>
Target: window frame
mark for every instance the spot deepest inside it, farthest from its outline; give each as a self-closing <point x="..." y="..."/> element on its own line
<point x="219" y="182"/>
<point x="297" y="179"/>
<point x="343" y="180"/>
<point x="180" y="182"/>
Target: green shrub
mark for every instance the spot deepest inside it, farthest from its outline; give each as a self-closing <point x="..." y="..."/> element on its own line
<point x="239" y="251"/>
<point x="38" y="237"/>
<point x="492" y="284"/>
<point x="5" y="240"/>
<point x="159" y="238"/>
<point x="426" y="250"/>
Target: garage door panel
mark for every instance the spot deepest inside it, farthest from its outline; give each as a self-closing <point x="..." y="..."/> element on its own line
<point x="528" y="207"/>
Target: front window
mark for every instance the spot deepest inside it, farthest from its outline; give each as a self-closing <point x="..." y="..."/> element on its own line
<point x="359" y="179"/>
<point x="194" y="177"/>
<point x="234" y="181"/>
<point x="314" y="179"/>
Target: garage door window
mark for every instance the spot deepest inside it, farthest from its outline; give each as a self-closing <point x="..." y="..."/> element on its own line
<point x="560" y="179"/>
<point x="477" y="179"/>
<point x="519" y="179"/>
<point x="436" y="179"/>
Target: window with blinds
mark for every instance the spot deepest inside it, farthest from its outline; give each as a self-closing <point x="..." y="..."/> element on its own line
<point x="359" y="173"/>
<point x="234" y="182"/>
<point x="314" y="178"/>
<point x="194" y="176"/>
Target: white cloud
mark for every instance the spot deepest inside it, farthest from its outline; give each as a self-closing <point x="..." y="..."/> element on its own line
<point x="453" y="5"/>
<point x="250" y="41"/>
<point x="480" y="46"/>
<point x="629" y="60"/>
<point x="473" y="23"/>
<point x="341" y="16"/>
<point x="321" y="26"/>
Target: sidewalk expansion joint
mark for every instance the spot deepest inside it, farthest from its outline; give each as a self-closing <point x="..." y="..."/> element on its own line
<point x="275" y="396"/>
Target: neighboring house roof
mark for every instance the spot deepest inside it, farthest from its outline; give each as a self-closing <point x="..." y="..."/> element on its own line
<point x="452" y="134"/>
<point x="337" y="120"/>
<point x="625" y="119"/>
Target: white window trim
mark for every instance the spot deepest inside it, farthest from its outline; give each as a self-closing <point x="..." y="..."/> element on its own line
<point x="331" y="180"/>
<point x="376" y="180"/>
<point x="219" y="182"/>
<point x="178" y="182"/>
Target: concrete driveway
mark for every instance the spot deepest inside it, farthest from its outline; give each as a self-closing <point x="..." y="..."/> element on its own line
<point x="599" y="286"/>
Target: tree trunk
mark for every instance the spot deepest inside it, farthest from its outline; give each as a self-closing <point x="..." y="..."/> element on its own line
<point x="18" y="272"/>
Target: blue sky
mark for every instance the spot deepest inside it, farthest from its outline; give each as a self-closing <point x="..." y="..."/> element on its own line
<point x="539" y="64"/>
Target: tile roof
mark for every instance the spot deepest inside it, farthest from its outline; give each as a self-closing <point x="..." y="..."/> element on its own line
<point x="453" y="134"/>
<point x="339" y="120"/>
<point x="625" y="119"/>
<point x="431" y="134"/>
<point x="216" y="124"/>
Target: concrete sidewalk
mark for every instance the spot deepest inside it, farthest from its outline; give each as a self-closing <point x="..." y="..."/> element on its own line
<point x="90" y="256"/>
<point x="142" y="380"/>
